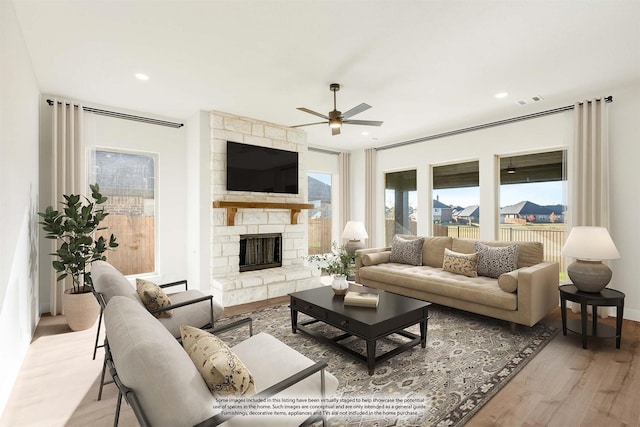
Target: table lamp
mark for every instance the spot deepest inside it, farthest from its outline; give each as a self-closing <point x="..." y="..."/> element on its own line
<point x="589" y="246"/>
<point x="355" y="232"/>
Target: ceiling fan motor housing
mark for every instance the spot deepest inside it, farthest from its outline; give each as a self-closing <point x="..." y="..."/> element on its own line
<point x="335" y="119"/>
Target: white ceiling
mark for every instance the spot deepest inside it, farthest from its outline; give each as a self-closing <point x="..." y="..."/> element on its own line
<point x="425" y="66"/>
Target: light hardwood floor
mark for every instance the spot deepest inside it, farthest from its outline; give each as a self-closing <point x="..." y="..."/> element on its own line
<point x="564" y="385"/>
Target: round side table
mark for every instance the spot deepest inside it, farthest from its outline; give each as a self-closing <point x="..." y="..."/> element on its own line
<point x="606" y="298"/>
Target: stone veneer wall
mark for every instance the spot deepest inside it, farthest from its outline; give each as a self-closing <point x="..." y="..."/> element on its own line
<point x="229" y="285"/>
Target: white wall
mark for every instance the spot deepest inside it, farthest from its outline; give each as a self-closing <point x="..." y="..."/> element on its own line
<point x="624" y="157"/>
<point x="199" y="182"/>
<point x="542" y="134"/>
<point x="19" y="194"/>
<point x="170" y="146"/>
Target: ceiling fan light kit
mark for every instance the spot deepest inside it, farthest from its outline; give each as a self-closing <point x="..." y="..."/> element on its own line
<point x="336" y="118"/>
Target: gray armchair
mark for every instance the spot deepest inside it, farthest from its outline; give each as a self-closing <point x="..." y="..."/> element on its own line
<point x="190" y="307"/>
<point x="164" y="388"/>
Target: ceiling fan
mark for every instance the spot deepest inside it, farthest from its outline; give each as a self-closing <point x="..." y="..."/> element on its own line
<point x="337" y="118"/>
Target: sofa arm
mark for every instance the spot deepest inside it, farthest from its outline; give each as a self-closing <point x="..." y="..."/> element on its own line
<point x="372" y="256"/>
<point x="538" y="292"/>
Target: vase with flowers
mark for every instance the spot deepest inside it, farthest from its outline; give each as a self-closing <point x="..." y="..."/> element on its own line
<point x="339" y="263"/>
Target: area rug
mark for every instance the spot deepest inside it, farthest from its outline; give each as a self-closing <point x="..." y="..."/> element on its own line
<point x="467" y="360"/>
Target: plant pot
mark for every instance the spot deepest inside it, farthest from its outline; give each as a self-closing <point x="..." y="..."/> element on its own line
<point x="339" y="284"/>
<point x="81" y="310"/>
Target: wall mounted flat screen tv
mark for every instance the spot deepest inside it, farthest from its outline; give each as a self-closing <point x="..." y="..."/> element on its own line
<point x="261" y="169"/>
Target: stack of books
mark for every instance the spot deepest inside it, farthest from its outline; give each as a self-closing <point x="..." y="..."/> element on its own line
<point x="361" y="299"/>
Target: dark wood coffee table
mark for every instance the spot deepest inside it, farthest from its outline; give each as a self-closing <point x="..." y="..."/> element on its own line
<point x="393" y="315"/>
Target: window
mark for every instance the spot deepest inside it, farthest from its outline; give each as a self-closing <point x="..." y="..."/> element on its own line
<point x="456" y="200"/>
<point x="128" y="180"/>
<point x="401" y="202"/>
<point x="320" y="217"/>
<point x="532" y="194"/>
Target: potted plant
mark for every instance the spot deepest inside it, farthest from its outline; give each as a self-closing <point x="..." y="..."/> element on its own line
<point x="75" y="228"/>
<point x="339" y="263"/>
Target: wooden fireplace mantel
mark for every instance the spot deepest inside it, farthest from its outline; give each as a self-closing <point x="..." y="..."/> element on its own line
<point x="232" y="208"/>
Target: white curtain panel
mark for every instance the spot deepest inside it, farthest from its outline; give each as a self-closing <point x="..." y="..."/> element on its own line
<point x="69" y="168"/>
<point x="590" y="178"/>
<point x="370" y="195"/>
<point x="344" y="167"/>
<point x="589" y="169"/>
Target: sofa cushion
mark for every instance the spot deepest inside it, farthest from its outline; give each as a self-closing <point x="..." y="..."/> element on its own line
<point x="508" y="282"/>
<point x="465" y="264"/>
<point x="405" y="251"/>
<point x="221" y="369"/>
<point x="110" y="282"/>
<point x="436" y="281"/>
<point x="494" y="261"/>
<point x="150" y="361"/>
<point x="433" y="250"/>
<point x="153" y="297"/>
<point x="529" y="253"/>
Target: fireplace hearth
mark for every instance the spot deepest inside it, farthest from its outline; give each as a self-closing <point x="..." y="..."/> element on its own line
<point x="260" y="251"/>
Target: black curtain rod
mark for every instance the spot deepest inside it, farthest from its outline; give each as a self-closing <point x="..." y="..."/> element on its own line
<point x="484" y="126"/>
<point x="126" y="116"/>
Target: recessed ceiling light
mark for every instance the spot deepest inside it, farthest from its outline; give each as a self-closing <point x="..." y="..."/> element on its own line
<point x="501" y="95"/>
<point x="142" y="76"/>
<point x="365" y="133"/>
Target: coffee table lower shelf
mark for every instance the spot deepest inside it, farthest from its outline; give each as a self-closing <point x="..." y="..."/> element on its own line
<point x="370" y="359"/>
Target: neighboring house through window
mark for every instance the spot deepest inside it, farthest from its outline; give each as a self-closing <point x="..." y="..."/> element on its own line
<point x="532" y="195"/>
<point x="456" y="204"/>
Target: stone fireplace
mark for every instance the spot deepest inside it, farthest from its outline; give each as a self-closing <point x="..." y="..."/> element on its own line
<point x="230" y="284"/>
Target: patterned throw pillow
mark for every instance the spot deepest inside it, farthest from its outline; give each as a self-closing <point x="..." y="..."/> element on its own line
<point x="220" y="367"/>
<point x="466" y="264"/>
<point x="494" y="261"/>
<point x="406" y="251"/>
<point x="153" y="297"/>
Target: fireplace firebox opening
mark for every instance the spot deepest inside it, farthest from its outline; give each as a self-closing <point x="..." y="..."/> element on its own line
<point x="260" y="251"/>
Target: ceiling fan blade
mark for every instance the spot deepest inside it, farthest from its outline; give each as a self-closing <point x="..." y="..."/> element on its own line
<point x="363" y="122"/>
<point x="335" y="131"/>
<point x="355" y="110"/>
<point x="308" y="124"/>
<point x="306" y="110"/>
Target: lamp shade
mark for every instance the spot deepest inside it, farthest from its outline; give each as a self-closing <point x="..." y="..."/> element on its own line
<point x="590" y="243"/>
<point x="354" y="230"/>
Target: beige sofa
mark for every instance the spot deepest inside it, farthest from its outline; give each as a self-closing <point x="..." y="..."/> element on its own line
<point x="522" y="296"/>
